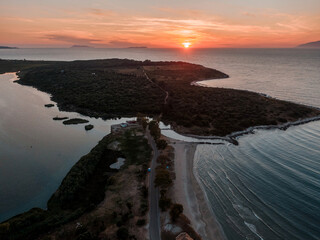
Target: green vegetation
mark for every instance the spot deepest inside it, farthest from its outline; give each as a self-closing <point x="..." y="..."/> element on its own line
<point x="161" y="144"/>
<point x="123" y="233"/>
<point x="176" y="211"/>
<point x="129" y="145"/>
<point x="142" y="120"/>
<point x="75" y="121"/>
<point x="164" y="161"/>
<point x="162" y="179"/>
<point x="19" y="65"/>
<point x="141" y="222"/>
<point x="99" y="88"/>
<point x="88" y="127"/>
<point x="164" y="203"/>
<point x="81" y="185"/>
<point x="115" y="87"/>
<point x="154" y="129"/>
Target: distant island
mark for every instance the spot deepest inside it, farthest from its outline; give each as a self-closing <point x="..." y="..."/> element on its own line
<point x="6" y="47"/>
<point x="310" y="45"/>
<point x="80" y="46"/>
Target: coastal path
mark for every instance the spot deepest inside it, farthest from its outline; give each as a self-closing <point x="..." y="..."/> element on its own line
<point x="166" y="92"/>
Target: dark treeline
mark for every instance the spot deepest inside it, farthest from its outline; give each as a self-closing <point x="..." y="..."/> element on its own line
<point x="119" y="87"/>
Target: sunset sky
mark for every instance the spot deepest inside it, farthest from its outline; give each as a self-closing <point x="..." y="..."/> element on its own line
<point x="165" y="23"/>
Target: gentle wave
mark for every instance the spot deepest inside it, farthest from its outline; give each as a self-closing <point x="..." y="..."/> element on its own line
<point x="268" y="187"/>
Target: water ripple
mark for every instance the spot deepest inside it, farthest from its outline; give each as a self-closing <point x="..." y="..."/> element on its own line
<point x="268" y="187"/>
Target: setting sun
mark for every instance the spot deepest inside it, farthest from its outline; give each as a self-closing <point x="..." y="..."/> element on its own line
<point x="186" y="44"/>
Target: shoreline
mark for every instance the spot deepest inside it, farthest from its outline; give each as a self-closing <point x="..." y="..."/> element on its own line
<point x="232" y="137"/>
<point x="187" y="188"/>
<point x="188" y="191"/>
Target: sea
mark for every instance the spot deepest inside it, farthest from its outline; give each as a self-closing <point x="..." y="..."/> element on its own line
<point x="267" y="187"/>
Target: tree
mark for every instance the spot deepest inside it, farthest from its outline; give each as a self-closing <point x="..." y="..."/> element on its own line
<point x="123" y="233"/>
<point x="141" y="222"/>
<point x="161" y="144"/>
<point x="144" y="123"/>
<point x="163" y="160"/>
<point x="163" y="178"/>
<point x="175" y="211"/>
<point x="140" y="116"/>
<point x="142" y="120"/>
<point x="154" y="129"/>
<point x="164" y="203"/>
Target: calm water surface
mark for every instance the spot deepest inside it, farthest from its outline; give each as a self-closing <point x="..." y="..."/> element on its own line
<point x="36" y="152"/>
<point x="268" y="187"/>
<point x="265" y="188"/>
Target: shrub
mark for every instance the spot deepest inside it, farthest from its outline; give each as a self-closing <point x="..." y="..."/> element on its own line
<point x="163" y="160"/>
<point x="144" y="207"/>
<point x="123" y="233"/>
<point x="162" y="179"/>
<point x="154" y="129"/>
<point x="161" y="144"/>
<point x="111" y="181"/>
<point x="129" y="205"/>
<point x="164" y="203"/>
<point x="141" y="222"/>
<point x="85" y="236"/>
<point x="175" y="211"/>
<point x="144" y="191"/>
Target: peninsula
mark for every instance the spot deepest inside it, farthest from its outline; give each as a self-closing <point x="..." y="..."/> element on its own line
<point x="121" y="87"/>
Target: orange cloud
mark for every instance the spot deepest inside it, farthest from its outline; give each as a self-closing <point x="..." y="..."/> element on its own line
<point x="167" y="28"/>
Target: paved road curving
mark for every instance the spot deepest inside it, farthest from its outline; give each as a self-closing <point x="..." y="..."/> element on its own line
<point x="154" y="226"/>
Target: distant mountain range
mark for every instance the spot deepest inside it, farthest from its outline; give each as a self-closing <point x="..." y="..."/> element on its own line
<point x="5" y="47"/>
<point x="310" y="45"/>
<point x="80" y="46"/>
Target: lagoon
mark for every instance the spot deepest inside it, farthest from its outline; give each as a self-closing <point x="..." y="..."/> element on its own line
<point x="36" y="152"/>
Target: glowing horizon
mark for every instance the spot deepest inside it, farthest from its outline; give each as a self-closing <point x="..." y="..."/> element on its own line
<point x="175" y="23"/>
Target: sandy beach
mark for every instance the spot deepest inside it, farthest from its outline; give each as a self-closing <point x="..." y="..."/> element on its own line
<point x="187" y="191"/>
